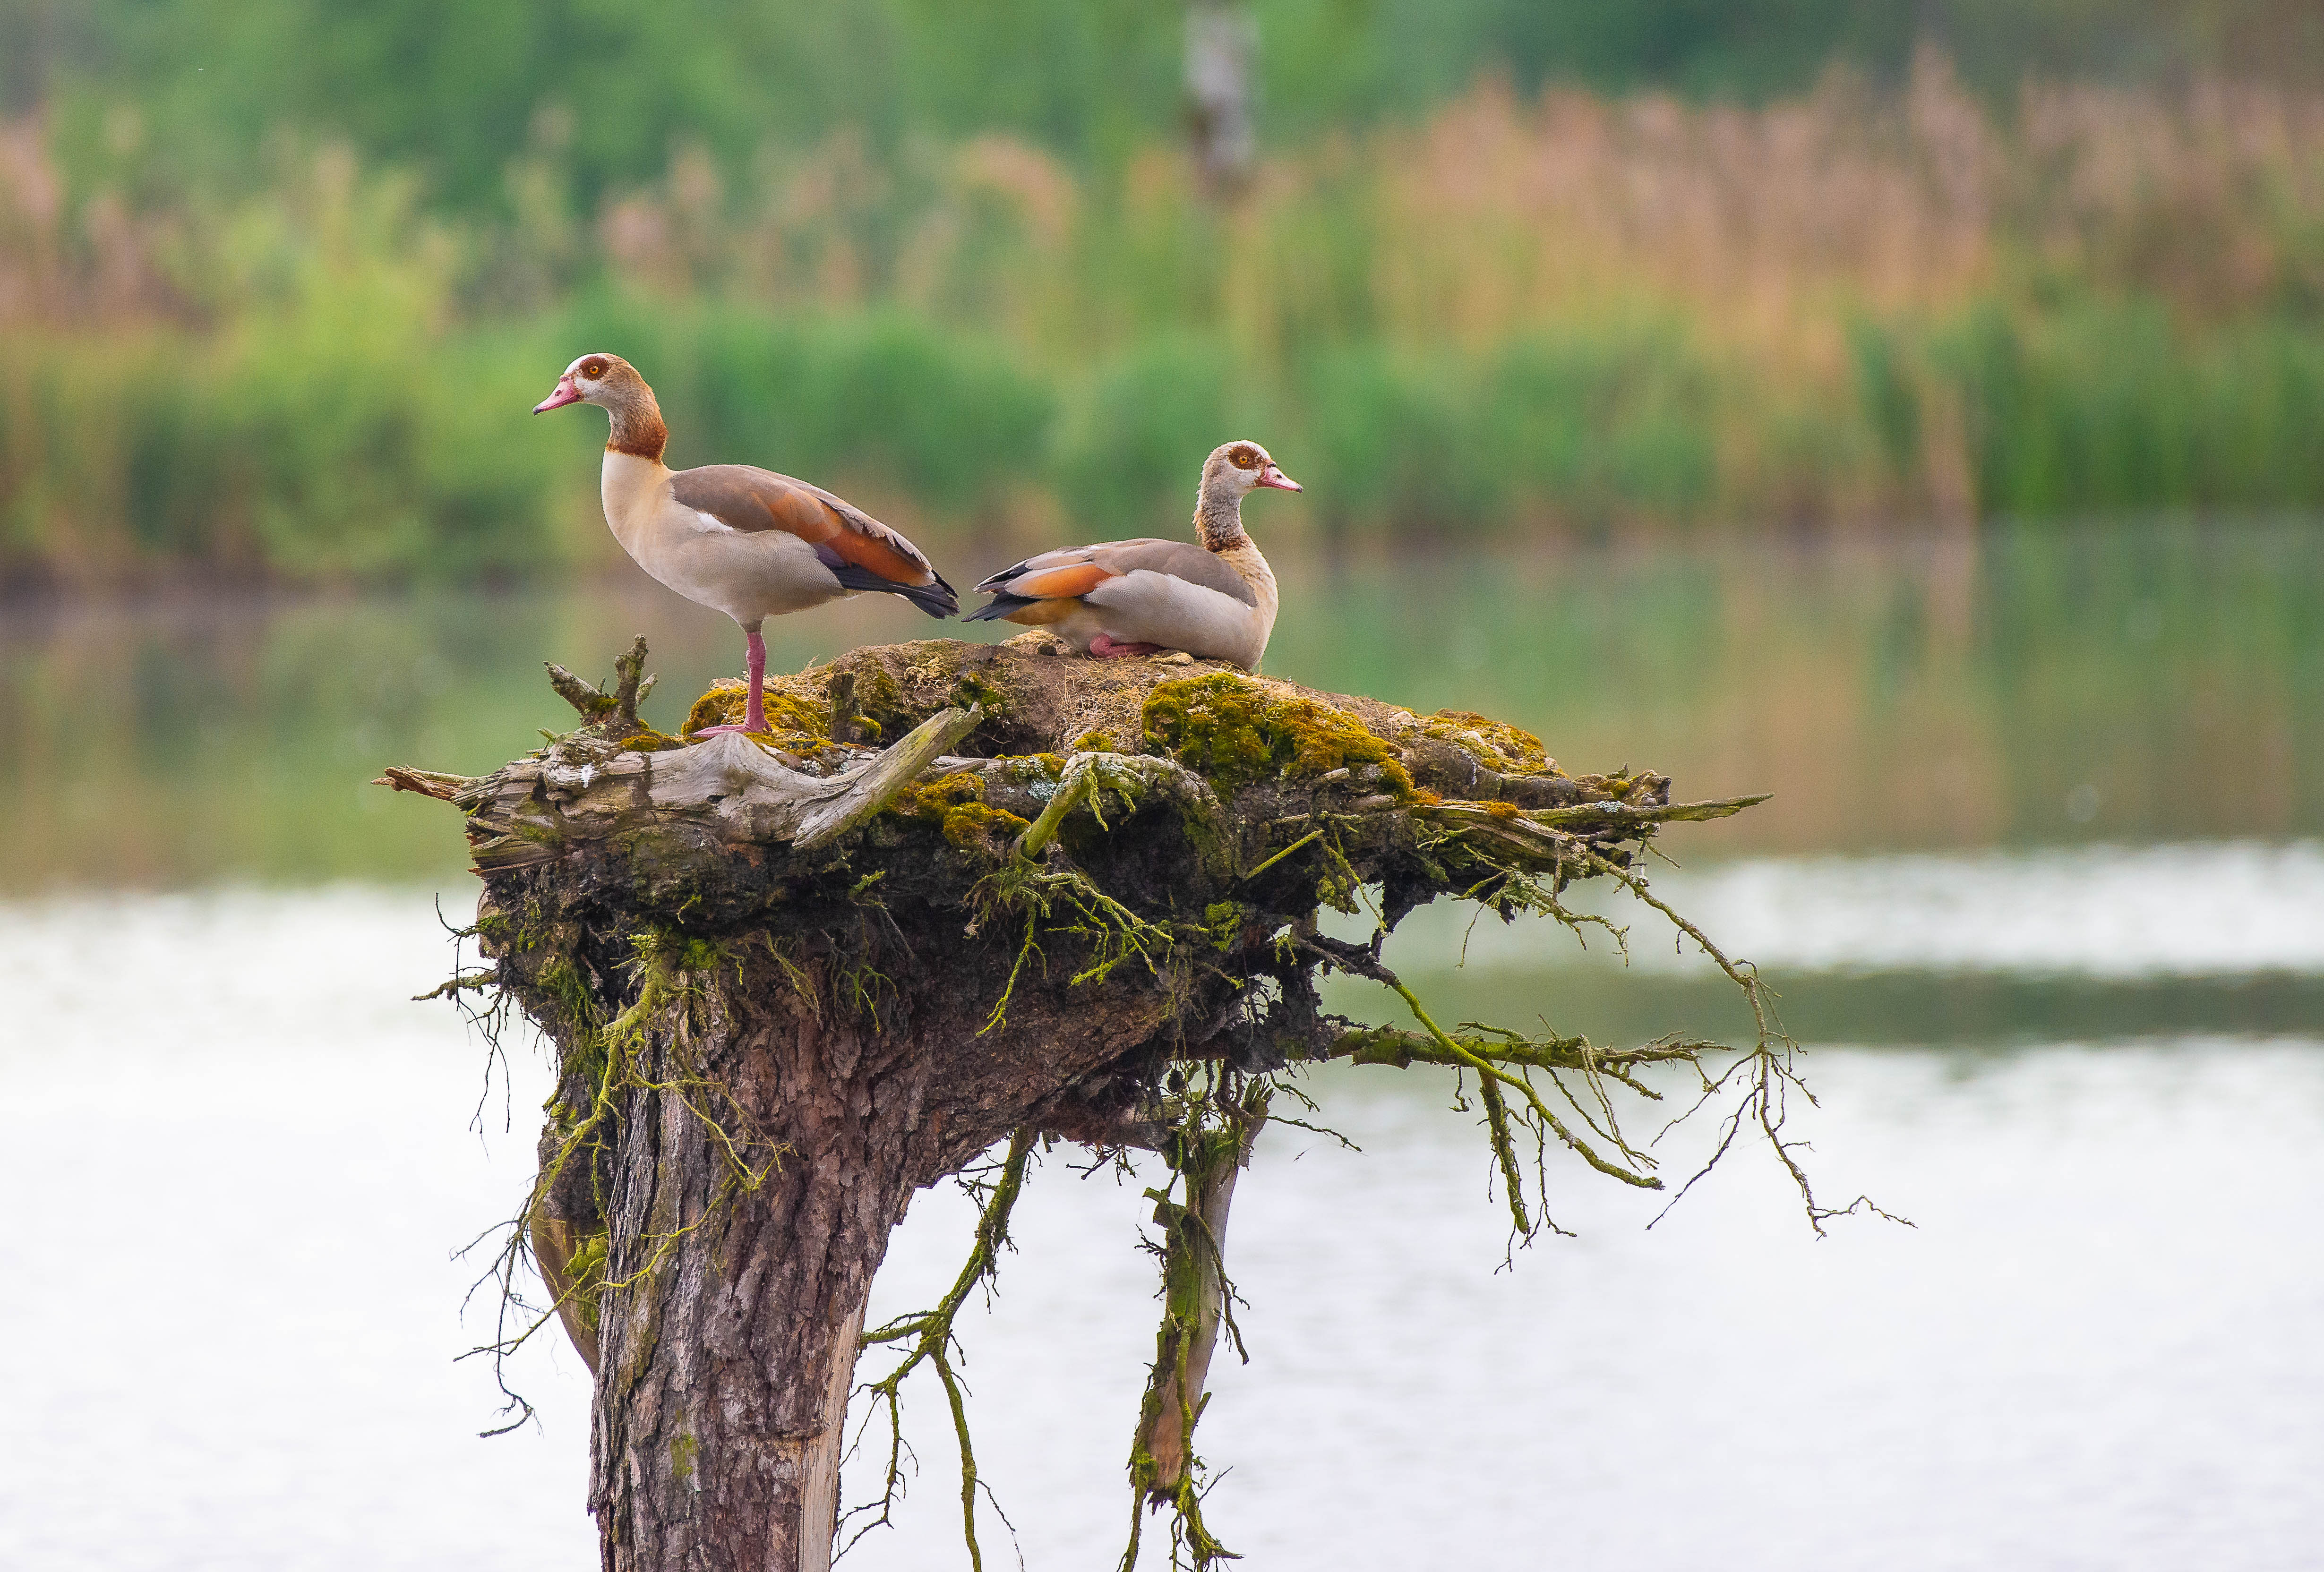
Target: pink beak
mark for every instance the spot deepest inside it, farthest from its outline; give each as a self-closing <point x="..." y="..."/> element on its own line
<point x="1272" y="476"/>
<point x="567" y="393"/>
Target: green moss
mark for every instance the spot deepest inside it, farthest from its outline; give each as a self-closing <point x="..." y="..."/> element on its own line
<point x="651" y="743"/>
<point x="879" y="699"/>
<point x="585" y="1052"/>
<point x="682" y="1450"/>
<point x="795" y="723"/>
<point x="1495" y="743"/>
<point x="1095" y="742"/>
<point x="955" y="805"/>
<point x="971" y="688"/>
<point x="1225" y="920"/>
<point x="930" y="800"/>
<point x="701" y="955"/>
<point x="976" y="827"/>
<point x="1235" y="731"/>
<point x="586" y="1268"/>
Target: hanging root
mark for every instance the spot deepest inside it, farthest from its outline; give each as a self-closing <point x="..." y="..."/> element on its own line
<point x="1504" y="1063"/>
<point x="1206" y="1146"/>
<point x="1766" y="1075"/>
<point x="1063" y="901"/>
<point x="931" y="1336"/>
<point x="648" y="1047"/>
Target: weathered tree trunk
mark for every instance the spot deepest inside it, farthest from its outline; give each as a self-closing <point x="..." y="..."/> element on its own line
<point x="792" y="980"/>
<point x="728" y="1356"/>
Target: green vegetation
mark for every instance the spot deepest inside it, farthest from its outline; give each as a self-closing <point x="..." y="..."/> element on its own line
<point x="1234" y="731"/>
<point x="955" y="805"/>
<point x="279" y="285"/>
<point x="458" y="92"/>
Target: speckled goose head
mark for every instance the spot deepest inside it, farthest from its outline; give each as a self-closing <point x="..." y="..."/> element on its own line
<point x="1236" y="469"/>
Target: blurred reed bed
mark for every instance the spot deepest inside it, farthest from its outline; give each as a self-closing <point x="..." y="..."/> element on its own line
<point x="1856" y="309"/>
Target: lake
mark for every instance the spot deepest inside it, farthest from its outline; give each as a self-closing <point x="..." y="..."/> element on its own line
<point x="2042" y="889"/>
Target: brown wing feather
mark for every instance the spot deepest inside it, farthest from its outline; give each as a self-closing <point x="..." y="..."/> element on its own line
<point x="1062" y="581"/>
<point x="1179" y="560"/>
<point x="1005" y="581"/>
<point x="744" y="497"/>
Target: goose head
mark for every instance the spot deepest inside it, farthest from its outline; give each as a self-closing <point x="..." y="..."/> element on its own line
<point x="1236" y="469"/>
<point x="612" y="383"/>
<point x="605" y="380"/>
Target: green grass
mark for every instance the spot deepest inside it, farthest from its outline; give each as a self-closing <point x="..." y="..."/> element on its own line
<point x="2107" y="406"/>
<point x="339" y="443"/>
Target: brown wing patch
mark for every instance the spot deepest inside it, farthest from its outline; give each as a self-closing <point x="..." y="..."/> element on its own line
<point x="875" y="555"/>
<point x="801" y="512"/>
<point x="1061" y="582"/>
<point x="887" y="552"/>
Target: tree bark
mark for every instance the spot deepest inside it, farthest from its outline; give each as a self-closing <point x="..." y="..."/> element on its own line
<point x="731" y="1309"/>
<point x="729" y="1330"/>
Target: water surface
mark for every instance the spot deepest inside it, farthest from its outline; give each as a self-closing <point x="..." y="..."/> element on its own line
<point x="2040" y="889"/>
<point x="229" y="1337"/>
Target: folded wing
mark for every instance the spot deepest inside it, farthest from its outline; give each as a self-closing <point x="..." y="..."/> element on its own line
<point x="861" y="552"/>
<point x="1085" y="571"/>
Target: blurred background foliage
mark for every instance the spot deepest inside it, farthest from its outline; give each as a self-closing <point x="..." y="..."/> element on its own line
<point x="279" y="280"/>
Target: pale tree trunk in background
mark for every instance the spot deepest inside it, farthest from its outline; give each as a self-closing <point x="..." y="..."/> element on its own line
<point x="1222" y="54"/>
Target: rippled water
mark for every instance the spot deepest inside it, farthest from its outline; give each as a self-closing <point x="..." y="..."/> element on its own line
<point x="2042" y="887"/>
<point x="237" y="1158"/>
<point x="2122" y="686"/>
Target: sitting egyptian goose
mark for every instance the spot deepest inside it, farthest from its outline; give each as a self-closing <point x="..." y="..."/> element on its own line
<point x="744" y="541"/>
<point x="1215" y="601"/>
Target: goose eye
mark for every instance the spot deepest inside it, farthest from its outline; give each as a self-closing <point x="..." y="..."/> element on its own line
<point x="593" y="369"/>
<point x="1243" y="458"/>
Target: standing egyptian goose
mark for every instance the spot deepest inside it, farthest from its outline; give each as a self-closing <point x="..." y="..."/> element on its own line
<point x="744" y="541"/>
<point x="1215" y="601"/>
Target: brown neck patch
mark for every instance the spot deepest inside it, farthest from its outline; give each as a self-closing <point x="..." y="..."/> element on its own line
<point x="638" y="428"/>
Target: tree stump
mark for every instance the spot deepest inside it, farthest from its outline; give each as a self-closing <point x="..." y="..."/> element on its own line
<point x="790" y="980"/>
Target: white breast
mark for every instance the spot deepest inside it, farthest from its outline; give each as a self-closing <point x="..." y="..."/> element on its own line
<point x="1146" y="607"/>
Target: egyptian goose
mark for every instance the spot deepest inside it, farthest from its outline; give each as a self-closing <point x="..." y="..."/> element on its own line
<point x="744" y="541"/>
<point x="1215" y="601"/>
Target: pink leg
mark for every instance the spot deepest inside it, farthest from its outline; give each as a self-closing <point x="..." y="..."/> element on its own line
<point x="1103" y="647"/>
<point x="755" y="706"/>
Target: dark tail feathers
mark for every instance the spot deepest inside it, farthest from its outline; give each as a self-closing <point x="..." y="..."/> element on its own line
<point x="937" y="600"/>
<point x="1003" y="603"/>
